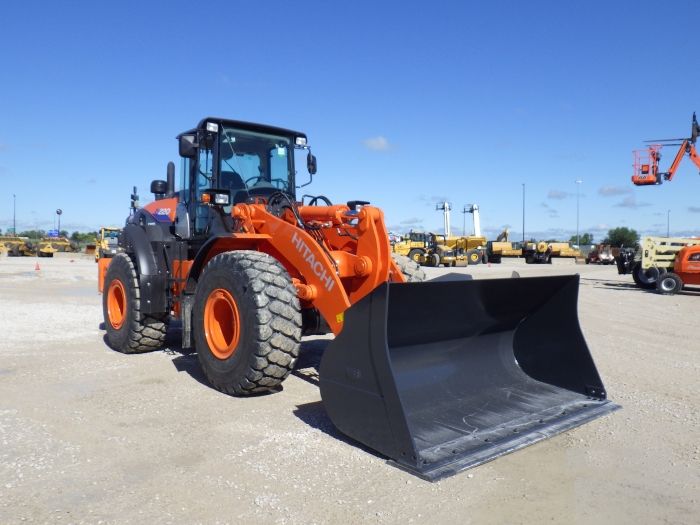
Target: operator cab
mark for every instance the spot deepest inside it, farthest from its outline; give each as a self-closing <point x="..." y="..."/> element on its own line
<point x="227" y="162"/>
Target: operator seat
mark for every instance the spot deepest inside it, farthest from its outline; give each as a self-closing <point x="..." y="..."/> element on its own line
<point x="230" y="180"/>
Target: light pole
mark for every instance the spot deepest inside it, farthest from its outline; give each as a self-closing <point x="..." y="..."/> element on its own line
<point x="523" y="214"/>
<point x="59" y="212"/>
<point x="578" y="185"/>
<point x="14" y="214"/>
<point x="668" y="223"/>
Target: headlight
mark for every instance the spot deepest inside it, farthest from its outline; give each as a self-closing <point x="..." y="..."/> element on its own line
<point x="221" y="199"/>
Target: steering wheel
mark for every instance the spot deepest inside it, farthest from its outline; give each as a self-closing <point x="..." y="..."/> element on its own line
<point x="278" y="183"/>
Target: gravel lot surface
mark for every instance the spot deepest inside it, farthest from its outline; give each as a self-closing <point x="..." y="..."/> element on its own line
<point x="88" y="435"/>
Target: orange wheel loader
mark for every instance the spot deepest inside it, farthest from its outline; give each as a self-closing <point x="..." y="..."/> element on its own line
<point x="438" y="376"/>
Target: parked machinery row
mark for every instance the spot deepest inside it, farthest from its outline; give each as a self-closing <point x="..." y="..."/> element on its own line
<point x="46" y="247"/>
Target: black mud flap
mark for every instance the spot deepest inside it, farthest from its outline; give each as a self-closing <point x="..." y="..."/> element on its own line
<point x="444" y="376"/>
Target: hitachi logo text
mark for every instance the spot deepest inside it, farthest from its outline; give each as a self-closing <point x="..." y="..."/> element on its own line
<point x="316" y="266"/>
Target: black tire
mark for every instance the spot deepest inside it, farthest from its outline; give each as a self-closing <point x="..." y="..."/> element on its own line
<point x="473" y="257"/>
<point x="13" y="252"/>
<point x="411" y="270"/>
<point x="262" y="352"/>
<point x="645" y="279"/>
<point x="495" y="259"/>
<point x="484" y="258"/>
<point x="669" y="284"/>
<point x="416" y="254"/>
<point x="529" y="259"/>
<point x="128" y="330"/>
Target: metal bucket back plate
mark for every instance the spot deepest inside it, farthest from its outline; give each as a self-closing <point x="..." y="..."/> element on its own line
<point x="442" y="376"/>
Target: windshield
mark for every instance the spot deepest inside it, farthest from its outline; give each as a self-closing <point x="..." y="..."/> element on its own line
<point x="254" y="163"/>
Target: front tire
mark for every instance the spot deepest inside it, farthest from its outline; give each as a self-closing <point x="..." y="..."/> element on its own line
<point x="646" y="279"/>
<point x="128" y="330"/>
<point x="669" y="284"/>
<point x="247" y="322"/>
<point x="416" y="254"/>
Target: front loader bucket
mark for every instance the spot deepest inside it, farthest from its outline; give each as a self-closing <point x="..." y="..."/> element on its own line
<point x="444" y="376"/>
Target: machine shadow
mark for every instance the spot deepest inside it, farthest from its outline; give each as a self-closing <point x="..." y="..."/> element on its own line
<point x="185" y="360"/>
<point x="314" y="414"/>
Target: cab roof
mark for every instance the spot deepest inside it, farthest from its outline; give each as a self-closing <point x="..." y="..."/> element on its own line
<point x="248" y="126"/>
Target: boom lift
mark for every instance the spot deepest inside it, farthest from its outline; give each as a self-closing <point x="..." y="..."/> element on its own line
<point x="646" y="272"/>
<point x="248" y="268"/>
<point x="646" y="161"/>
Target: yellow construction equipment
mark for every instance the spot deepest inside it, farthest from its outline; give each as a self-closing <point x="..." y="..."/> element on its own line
<point x="502" y="247"/>
<point x="543" y="251"/>
<point x="107" y="243"/>
<point x="17" y="246"/>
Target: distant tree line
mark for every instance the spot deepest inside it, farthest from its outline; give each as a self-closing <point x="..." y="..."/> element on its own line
<point x="619" y="237"/>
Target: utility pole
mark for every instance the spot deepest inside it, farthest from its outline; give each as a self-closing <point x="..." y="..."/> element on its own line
<point x="578" y="185"/>
<point x="668" y="223"/>
<point x="14" y="214"/>
<point x="523" y="214"/>
<point x="445" y="207"/>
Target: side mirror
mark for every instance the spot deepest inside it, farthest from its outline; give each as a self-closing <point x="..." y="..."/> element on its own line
<point x="188" y="146"/>
<point x="311" y="163"/>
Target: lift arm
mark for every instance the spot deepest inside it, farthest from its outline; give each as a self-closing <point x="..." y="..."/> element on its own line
<point x="686" y="147"/>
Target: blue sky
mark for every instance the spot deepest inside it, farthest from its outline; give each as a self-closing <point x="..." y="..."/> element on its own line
<point x="405" y="104"/>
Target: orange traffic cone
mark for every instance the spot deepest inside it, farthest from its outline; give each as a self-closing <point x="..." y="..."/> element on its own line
<point x="36" y="267"/>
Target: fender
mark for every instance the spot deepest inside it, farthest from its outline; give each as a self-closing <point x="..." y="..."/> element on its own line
<point x="152" y="277"/>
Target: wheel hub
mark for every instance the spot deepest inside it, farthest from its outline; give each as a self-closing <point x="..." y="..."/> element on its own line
<point x="222" y="326"/>
<point x="116" y="304"/>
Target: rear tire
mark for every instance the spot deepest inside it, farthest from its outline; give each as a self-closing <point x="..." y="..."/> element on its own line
<point x="411" y="270"/>
<point x="246" y="322"/>
<point x="669" y="284"/>
<point x="128" y="330"/>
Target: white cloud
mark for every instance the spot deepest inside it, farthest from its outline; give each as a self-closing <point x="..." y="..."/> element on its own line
<point x="631" y="202"/>
<point x="612" y="191"/>
<point x="557" y="195"/>
<point x="377" y="143"/>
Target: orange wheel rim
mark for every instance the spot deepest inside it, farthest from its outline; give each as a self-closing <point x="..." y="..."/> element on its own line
<point x="222" y="324"/>
<point x="116" y="304"/>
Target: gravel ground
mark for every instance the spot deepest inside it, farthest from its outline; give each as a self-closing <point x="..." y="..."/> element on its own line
<point x="88" y="435"/>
